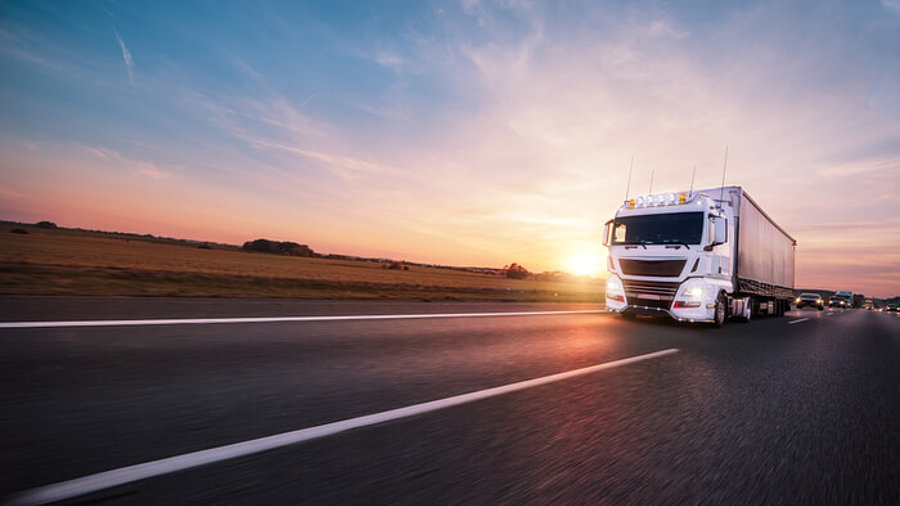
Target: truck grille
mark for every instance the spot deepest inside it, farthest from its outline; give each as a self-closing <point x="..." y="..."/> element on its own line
<point x="659" y="294"/>
<point x="634" y="267"/>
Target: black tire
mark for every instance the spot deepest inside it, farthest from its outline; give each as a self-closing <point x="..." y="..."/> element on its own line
<point x="628" y="316"/>
<point x="821" y="308"/>
<point x="721" y="311"/>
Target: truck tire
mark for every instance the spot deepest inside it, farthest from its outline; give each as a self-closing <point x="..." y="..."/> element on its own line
<point x="721" y="311"/>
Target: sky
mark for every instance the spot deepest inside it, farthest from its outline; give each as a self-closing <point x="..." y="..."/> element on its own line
<point x="455" y="132"/>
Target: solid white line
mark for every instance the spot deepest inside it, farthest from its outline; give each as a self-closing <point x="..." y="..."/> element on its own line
<point x="271" y="319"/>
<point x="116" y="477"/>
<point x="797" y="321"/>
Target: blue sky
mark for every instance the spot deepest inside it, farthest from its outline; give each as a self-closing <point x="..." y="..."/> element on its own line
<point x="458" y="132"/>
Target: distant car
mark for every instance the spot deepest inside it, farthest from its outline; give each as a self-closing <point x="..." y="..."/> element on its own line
<point x="892" y="308"/>
<point x="835" y="301"/>
<point x="810" y="300"/>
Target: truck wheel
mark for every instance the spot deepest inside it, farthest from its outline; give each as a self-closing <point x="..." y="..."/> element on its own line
<point x="719" y="315"/>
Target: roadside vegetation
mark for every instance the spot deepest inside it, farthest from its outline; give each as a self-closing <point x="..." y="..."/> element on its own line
<point x="55" y="261"/>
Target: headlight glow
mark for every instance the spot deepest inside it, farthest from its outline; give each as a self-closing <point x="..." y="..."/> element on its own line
<point x="693" y="289"/>
<point x="614" y="284"/>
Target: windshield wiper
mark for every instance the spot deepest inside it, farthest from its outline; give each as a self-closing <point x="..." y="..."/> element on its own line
<point x="639" y="243"/>
<point x="677" y="242"/>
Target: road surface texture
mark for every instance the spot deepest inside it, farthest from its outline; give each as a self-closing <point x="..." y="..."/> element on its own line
<point x="795" y="410"/>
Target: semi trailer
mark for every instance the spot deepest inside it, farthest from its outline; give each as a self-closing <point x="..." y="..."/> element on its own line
<point x="700" y="256"/>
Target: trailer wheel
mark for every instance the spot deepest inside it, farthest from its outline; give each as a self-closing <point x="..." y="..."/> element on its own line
<point x="719" y="316"/>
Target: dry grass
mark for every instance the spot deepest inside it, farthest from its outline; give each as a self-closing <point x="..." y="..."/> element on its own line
<point x="52" y="262"/>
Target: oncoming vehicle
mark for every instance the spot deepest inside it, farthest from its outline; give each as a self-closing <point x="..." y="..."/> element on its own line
<point x="810" y="300"/>
<point x="835" y="301"/>
<point x="847" y="297"/>
<point x="703" y="256"/>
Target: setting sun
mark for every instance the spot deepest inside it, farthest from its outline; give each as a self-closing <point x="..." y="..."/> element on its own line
<point x="583" y="264"/>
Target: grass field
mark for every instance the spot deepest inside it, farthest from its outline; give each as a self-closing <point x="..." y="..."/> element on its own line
<point x="70" y="262"/>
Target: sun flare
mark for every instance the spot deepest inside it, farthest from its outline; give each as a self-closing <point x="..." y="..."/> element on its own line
<point x="583" y="264"/>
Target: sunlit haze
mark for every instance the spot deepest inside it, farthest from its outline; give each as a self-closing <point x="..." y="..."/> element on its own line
<point x="458" y="132"/>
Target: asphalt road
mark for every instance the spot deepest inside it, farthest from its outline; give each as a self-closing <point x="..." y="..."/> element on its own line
<point x="778" y="411"/>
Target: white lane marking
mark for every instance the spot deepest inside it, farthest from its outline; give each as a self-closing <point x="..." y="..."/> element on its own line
<point x="829" y="314"/>
<point x="271" y="319"/>
<point x="797" y="321"/>
<point x="116" y="477"/>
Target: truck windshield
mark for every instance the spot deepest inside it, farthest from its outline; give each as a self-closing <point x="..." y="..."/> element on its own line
<point x="684" y="228"/>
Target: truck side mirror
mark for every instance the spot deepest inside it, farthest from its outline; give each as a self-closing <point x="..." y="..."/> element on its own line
<point x="718" y="231"/>
<point x="607" y="229"/>
<point x="721" y="231"/>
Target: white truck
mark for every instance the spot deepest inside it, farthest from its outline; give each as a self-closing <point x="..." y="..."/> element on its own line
<point x="702" y="256"/>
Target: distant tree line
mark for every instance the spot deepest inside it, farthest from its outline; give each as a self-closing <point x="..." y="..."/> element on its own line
<point x="516" y="271"/>
<point x="278" y="248"/>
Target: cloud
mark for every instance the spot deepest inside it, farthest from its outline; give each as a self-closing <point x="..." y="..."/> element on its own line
<point x="126" y="55"/>
<point x="346" y="167"/>
<point x="139" y="167"/>
<point x="892" y="6"/>
<point x="664" y="29"/>
<point x="386" y="59"/>
<point x="888" y="166"/>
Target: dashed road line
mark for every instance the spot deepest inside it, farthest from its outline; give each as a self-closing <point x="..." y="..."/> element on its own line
<point x="116" y="477"/>
<point x="798" y="321"/>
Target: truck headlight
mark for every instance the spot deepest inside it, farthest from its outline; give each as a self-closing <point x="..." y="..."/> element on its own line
<point x="695" y="292"/>
<point x="614" y="285"/>
<point x="692" y="289"/>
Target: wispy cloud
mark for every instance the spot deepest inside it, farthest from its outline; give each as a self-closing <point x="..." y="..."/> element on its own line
<point x="892" y="5"/>
<point x="388" y="59"/>
<point x="665" y="29"/>
<point x="138" y="167"/>
<point x="345" y="166"/>
<point x="126" y="55"/>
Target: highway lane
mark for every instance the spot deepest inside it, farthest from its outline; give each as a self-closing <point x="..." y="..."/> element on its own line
<point x="765" y="413"/>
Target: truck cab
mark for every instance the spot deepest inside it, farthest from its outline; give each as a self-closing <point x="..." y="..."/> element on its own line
<point x="669" y="256"/>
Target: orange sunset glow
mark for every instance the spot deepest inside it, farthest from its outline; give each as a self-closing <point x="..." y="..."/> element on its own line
<point x="457" y="133"/>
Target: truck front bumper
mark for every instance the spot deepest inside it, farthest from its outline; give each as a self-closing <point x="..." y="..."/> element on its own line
<point x="703" y="314"/>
